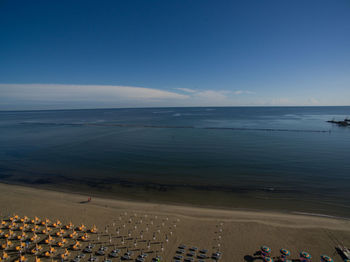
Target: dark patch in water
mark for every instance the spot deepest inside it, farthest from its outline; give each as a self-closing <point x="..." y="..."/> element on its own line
<point x="3" y="169"/>
<point x="42" y="181"/>
<point x="4" y="176"/>
<point x="5" y="172"/>
<point x="107" y="185"/>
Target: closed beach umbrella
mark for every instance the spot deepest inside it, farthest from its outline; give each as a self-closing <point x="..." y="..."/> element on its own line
<point x="305" y="255"/>
<point x="285" y="252"/>
<point x="265" y="249"/>
<point x="325" y="258"/>
<point x="268" y="259"/>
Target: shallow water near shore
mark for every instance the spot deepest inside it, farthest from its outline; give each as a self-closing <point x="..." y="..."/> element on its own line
<point x="277" y="158"/>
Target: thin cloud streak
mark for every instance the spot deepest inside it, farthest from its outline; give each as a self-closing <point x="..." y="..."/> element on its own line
<point x="57" y="91"/>
<point x="241" y="92"/>
<point x="187" y="90"/>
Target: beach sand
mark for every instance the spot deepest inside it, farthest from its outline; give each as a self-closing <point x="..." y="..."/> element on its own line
<point x="243" y="232"/>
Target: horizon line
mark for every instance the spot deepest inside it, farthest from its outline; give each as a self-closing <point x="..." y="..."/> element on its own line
<point x="165" y="107"/>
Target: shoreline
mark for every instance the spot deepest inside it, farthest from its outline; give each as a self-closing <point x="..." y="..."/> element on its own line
<point x="160" y="196"/>
<point x="217" y="209"/>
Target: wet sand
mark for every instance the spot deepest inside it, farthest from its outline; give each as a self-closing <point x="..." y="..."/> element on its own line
<point x="243" y="232"/>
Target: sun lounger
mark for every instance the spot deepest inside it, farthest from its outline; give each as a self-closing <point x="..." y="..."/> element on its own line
<point x="93" y="259"/>
<point x="202" y="256"/>
<point x="114" y="253"/>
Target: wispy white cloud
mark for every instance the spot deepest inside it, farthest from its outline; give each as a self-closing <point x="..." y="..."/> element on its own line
<point x="313" y="101"/>
<point x="211" y="97"/>
<point x="188" y="90"/>
<point x="109" y="92"/>
<point x="240" y="92"/>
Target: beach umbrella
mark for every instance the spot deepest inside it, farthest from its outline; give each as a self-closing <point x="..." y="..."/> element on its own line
<point x="306" y="255"/>
<point x="284" y="252"/>
<point x="265" y="249"/>
<point x="325" y="258"/>
<point x="268" y="259"/>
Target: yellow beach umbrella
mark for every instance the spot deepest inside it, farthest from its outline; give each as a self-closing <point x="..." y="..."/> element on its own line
<point x="4" y="255"/>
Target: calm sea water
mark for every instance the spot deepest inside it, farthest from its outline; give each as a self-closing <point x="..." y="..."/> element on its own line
<point x="285" y="158"/>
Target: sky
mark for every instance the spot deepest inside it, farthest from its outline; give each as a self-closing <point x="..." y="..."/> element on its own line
<point x="62" y="54"/>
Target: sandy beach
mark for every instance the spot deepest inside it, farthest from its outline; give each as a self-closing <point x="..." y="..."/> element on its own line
<point x="237" y="234"/>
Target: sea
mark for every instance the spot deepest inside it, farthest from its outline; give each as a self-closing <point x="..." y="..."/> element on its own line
<point x="286" y="159"/>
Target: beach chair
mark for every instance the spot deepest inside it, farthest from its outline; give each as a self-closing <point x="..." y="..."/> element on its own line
<point x="21" y="259"/>
<point x="69" y="226"/>
<point x="76" y="246"/>
<point x="46" y="222"/>
<point x="85" y="237"/>
<point x="4" y="256"/>
<point x="49" y="240"/>
<point x="25" y="219"/>
<point x="50" y="253"/>
<point x="62" y="242"/>
<point x="35" y="228"/>
<point x="82" y="227"/>
<point x="73" y="235"/>
<point x="65" y="255"/>
<point x="46" y="231"/>
<point x="3" y="224"/>
<point x="93" y="229"/>
<point x="36" y="250"/>
<point x="22" y="237"/>
<point x="20" y="247"/>
<point x="57" y="224"/>
<point x="6" y="245"/>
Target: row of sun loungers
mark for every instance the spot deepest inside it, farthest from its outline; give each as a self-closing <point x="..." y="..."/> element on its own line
<point x="189" y="254"/>
<point x="284" y="255"/>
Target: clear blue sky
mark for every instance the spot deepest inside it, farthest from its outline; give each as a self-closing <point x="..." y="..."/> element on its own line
<point x="71" y="54"/>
